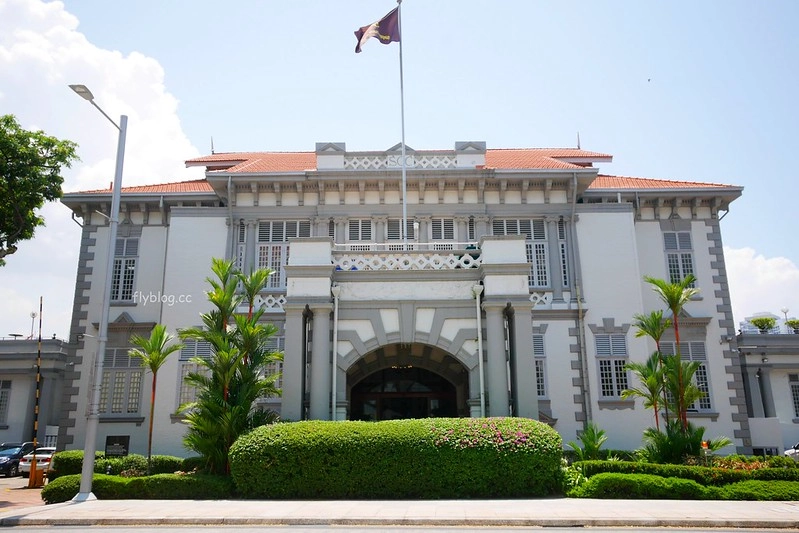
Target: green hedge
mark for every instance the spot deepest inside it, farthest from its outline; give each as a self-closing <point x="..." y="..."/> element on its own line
<point x="701" y="474"/>
<point x="71" y="462"/>
<point x="155" y="487"/>
<point x="643" y="486"/>
<point x="646" y="486"/>
<point x="762" y="490"/>
<point x="422" y="458"/>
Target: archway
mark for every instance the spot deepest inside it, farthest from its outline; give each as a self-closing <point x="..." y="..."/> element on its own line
<point x="407" y="381"/>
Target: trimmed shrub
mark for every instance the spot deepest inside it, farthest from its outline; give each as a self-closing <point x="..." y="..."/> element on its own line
<point x="67" y="462"/>
<point x="642" y="486"/>
<point x="156" y="487"/>
<point x="701" y="474"/>
<point x="165" y="464"/>
<point x="132" y="464"/>
<point x="71" y="462"/>
<point x="193" y="463"/>
<point x="762" y="490"/>
<point x="422" y="458"/>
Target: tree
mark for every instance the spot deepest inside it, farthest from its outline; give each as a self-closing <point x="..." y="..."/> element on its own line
<point x="153" y="353"/>
<point x="675" y="296"/>
<point x="30" y="174"/>
<point x="651" y="377"/>
<point x="236" y="374"/>
<point x="653" y="325"/>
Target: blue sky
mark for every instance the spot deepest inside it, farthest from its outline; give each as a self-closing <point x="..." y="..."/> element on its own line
<point x="702" y="91"/>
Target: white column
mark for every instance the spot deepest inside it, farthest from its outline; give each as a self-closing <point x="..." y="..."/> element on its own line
<point x="497" y="363"/>
<point x="320" y="362"/>
<point x="293" y="358"/>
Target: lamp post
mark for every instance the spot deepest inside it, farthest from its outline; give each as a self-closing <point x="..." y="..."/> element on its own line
<point x="93" y="418"/>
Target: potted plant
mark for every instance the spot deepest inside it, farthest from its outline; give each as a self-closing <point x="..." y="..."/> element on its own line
<point x="763" y="323"/>
<point x="793" y="323"/>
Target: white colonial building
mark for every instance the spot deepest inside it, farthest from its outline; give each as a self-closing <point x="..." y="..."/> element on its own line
<point x="510" y="292"/>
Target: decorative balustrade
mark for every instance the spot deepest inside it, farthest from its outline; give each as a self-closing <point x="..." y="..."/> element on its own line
<point x="271" y="303"/>
<point x="398" y="256"/>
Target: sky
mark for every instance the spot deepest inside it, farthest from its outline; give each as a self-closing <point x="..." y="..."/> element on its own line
<point x="701" y="91"/>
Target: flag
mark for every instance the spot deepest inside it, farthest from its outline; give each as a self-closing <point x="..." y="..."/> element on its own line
<point x="386" y="30"/>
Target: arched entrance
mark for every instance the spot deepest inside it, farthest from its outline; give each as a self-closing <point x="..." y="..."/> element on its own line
<point x="407" y="381"/>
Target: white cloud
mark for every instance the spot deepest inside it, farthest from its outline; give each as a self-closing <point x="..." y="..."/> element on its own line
<point x="761" y="284"/>
<point x="41" y="52"/>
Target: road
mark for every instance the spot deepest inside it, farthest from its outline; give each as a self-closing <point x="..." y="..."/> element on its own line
<point x="14" y="492"/>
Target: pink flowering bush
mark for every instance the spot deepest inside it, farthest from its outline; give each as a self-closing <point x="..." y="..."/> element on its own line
<point x="422" y="458"/>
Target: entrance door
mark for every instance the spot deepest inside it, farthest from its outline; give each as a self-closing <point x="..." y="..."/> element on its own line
<point x="403" y="392"/>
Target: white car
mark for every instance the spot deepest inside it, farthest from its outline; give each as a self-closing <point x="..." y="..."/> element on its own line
<point x="793" y="452"/>
<point x="43" y="457"/>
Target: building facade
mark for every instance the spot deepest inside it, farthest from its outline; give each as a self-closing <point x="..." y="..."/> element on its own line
<point x="506" y="287"/>
<point x="770" y="366"/>
<point x="31" y="388"/>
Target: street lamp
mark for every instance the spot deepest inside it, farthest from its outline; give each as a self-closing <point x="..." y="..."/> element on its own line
<point x="93" y="418"/>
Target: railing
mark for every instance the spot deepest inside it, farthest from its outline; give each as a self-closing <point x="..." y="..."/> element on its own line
<point x="399" y="256"/>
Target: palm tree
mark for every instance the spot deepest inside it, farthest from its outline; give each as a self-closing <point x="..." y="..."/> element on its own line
<point x="236" y="375"/>
<point x="653" y="325"/>
<point x="675" y="296"/>
<point x="651" y="377"/>
<point x="153" y="353"/>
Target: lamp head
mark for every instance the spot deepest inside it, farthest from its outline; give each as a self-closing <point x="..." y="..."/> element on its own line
<point x="83" y="92"/>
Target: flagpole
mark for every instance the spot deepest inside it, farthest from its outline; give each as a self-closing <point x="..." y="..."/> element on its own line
<point x="402" y="113"/>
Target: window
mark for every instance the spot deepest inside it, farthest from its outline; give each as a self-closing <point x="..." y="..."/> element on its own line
<point x="694" y="351"/>
<point x="120" y="390"/>
<point x="793" y="380"/>
<point x="241" y="246"/>
<point x="393" y="228"/>
<point x="679" y="255"/>
<point x="611" y="351"/>
<point x="191" y="348"/>
<point x="540" y="366"/>
<point x="275" y="344"/>
<point x="273" y="247"/>
<point x="124" y="273"/>
<point x="442" y="229"/>
<point x="535" y="233"/>
<point x="360" y="229"/>
<point x="5" y="397"/>
<point x="564" y="258"/>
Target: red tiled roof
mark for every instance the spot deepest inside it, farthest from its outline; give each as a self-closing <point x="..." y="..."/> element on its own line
<point x="603" y="181"/>
<point x="246" y="162"/>
<point x="181" y="186"/>
<point x="531" y="158"/>
<point x="506" y="159"/>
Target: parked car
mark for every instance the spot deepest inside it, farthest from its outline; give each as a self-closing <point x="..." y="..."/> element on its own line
<point x="10" y="454"/>
<point x="43" y="457"/>
<point x="793" y="452"/>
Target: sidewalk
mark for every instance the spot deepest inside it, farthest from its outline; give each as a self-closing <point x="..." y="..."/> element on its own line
<point x="561" y="512"/>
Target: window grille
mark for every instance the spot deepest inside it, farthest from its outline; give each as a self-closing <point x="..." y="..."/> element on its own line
<point x="360" y="229"/>
<point x="679" y="255"/>
<point x="793" y="379"/>
<point x="611" y="351"/>
<point x="273" y="248"/>
<point x="121" y="386"/>
<point x="534" y="231"/>
<point x="694" y="351"/>
<point x="540" y="366"/>
<point x="123" y="275"/>
<point x="5" y="397"/>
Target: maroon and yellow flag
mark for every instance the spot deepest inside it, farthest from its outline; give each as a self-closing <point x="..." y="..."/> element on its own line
<point x="386" y="30"/>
